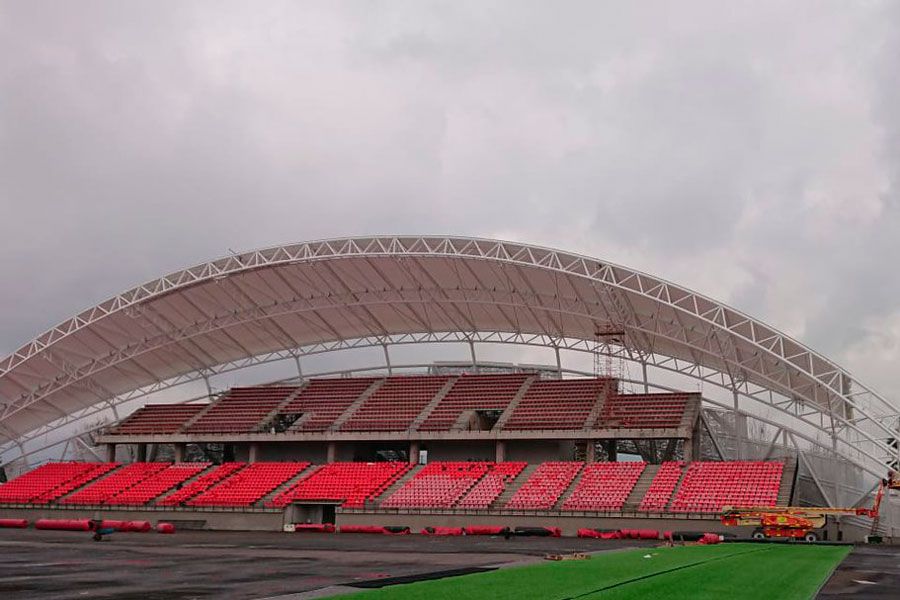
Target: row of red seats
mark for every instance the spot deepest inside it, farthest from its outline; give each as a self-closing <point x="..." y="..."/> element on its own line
<point x="604" y="486"/>
<point x="557" y="404"/>
<point x="353" y="484"/>
<point x="201" y="484"/>
<point x="438" y="485"/>
<point x="50" y="481"/>
<point x="642" y="411"/>
<point x="249" y="485"/>
<point x="241" y="410"/>
<point x="474" y="392"/>
<point x="396" y="404"/>
<point x="103" y="490"/>
<point x="665" y="481"/>
<point x="322" y="401"/>
<point x="491" y="486"/>
<point x="545" y="486"/>
<point x="158" y="418"/>
<point x="158" y="484"/>
<point x="709" y="486"/>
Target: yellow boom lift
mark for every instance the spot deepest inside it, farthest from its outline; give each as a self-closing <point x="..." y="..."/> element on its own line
<point x="799" y="522"/>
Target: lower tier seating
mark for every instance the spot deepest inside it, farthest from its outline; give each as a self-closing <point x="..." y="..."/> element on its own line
<point x="545" y="486"/>
<point x="50" y="481"/>
<point x="249" y="485"/>
<point x="604" y="486"/>
<point x="665" y="481"/>
<point x="158" y="484"/>
<point x="489" y="488"/>
<point x="353" y="483"/>
<point x="201" y="484"/>
<point x="438" y="485"/>
<point x="708" y="486"/>
<point x="103" y="490"/>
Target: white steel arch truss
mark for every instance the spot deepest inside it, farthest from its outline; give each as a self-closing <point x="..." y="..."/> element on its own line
<point x="289" y="301"/>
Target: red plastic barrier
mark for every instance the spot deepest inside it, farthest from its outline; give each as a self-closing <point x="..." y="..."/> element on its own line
<point x="442" y="531"/>
<point x="588" y="533"/>
<point x="554" y="531"/>
<point x="360" y="529"/>
<point x="667" y="535"/>
<point x="63" y="524"/>
<point x="484" y="530"/>
<point x="395" y="530"/>
<point x="117" y="525"/>
<point x="137" y="526"/>
<point x="14" y="523"/>
<point x="710" y="538"/>
<point x="165" y="528"/>
<point x="610" y="535"/>
<point x="314" y="527"/>
<point x="648" y="534"/>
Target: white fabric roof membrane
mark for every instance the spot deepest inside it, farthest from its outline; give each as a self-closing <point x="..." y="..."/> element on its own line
<point x="287" y="298"/>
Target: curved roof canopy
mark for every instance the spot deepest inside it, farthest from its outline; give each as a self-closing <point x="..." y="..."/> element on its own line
<point x="286" y="299"/>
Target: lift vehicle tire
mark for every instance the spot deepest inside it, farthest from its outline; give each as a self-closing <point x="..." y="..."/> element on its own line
<point x="758" y="534"/>
<point x="811" y="536"/>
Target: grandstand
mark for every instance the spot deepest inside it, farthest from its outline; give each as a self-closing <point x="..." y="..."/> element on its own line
<point x="432" y="444"/>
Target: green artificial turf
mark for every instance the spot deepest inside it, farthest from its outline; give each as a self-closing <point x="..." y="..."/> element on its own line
<point x="732" y="571"/>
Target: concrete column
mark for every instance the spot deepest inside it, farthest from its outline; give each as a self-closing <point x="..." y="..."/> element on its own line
<point x="331" y="452"/>
<point x="110" y="453"/>
<point x="180" y="451"/>
<point x="253" y="452"/>
<point x="500" y="451"/>
<point x="688" y="449"/>
<point x="141" y="455"/>
<point x="414" y="452"/>
<point x="612" y="450"/>
<point x="590" y="452"/>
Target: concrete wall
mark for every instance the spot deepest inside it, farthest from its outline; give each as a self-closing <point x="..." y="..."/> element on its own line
<point x="535" y="451"/>
<point x="227" y="521"/>
<point x="459" y="451"/>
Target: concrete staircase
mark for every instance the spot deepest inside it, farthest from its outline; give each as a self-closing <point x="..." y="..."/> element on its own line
<point x="788" y="482"/>
<point x="356" y="404"/>
<point x="568" y="492"/>
<point x="677" y="487"/>
<point x="633" y="501"/>
<point x="286" y="485"/>
<point x="513" y="486"/>
<point x="433" y="403"/>
<point x="594" y="416"/>
<point x="398" y="484"/>
<point x="510" y="409"/>
<point x="269" y="418"/>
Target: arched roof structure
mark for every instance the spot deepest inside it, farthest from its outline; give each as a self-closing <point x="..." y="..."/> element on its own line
<point x="310" y="297"/>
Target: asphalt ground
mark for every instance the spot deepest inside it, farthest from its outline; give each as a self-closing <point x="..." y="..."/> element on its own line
<point x="869" y="572"/>
<point x="245" y="565"/>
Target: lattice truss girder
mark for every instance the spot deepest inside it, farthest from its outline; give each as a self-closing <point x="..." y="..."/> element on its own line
<point x="282" y="299"/>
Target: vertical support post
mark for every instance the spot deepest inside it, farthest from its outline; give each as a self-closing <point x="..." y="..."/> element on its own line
<point x="740" y="423"/>
<point x="644" y="376"/>
<point x="209" y="391"/>
<point x="253" y="452"/>
<point x="500" y="451"/>
<point x="141" y="454"/>
<point x="612" y="450"/>
<point x="687" y="449"/>
<point x="299" y="368"/>
<point x="558" y="363"/>
<point x="331" y="452"/>
<point x="414" y="452"/>
<point x="110" y="453"/>
<point x="180" y="451"/>
<point x="387" y="359"/>
<point x="472" y="354"/>
<point x="590" y="451"/>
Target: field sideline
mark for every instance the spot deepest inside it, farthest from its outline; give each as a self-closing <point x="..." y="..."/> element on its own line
<point x="733" y="571"/>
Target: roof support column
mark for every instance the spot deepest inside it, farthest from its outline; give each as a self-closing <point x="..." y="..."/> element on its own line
<point x="740" y="427"/>
<point x="558" y="362"/>
<point x="387" y="359"/>
<point x="331" y="452"/>
<point x="590" y="451"/>
<point x="111" y="452"/>
<point x="413" y="452"/>
<point x="472" y="353"/>
<point x="299" y="368"/>
<point x="209" y="391"/>
<point x="500" y="451"/>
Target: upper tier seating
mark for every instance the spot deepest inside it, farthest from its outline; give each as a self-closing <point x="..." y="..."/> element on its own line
<point x="438" y="485"/>
<point x="665" y="481"/>
<point x="557" y="404"/>
<point x="50" y="481"/>
<point x="103" y="490"/>
<point x="158" y="418"/>
<point x="643" y="411"/>
<point x="489" y="488"/>
<point x="604" y="486"/>
<point x="325" y="400"/>
<point x="249" y="485"/>
<point x="241" y="410"/>
<point x="473" y="392"/>
<point x="395" y="405"/>
<point x="201" y="484"/>
<point x="708" y="486"/>
<point x="545" y="486"/>
<point x="158" y="484"/>
<point x="353" y="483"/>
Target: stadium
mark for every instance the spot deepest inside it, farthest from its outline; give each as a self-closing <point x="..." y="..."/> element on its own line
<point x="377" y="384"/>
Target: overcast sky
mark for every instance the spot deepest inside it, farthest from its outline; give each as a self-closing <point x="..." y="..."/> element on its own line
<point x="749" y="152"/>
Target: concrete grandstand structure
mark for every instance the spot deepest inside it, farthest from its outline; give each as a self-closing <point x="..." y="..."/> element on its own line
<point x="508" y="440"/>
